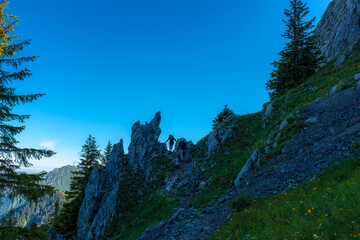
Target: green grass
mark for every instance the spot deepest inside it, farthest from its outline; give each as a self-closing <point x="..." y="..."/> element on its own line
<point x="155" y="209"/>
<point x="226" y="167"/>
<point x="141" y="204"/>
<point x="326" y="208"/>
<point x="251" y="134"/>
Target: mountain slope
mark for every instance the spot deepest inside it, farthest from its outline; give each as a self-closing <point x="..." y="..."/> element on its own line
<point x="333" y="126"/>
<point x="39" y="212"/>
<point x="60" y="178"/>
<point x="26" y="213"/>
<point x="293" y="140"/>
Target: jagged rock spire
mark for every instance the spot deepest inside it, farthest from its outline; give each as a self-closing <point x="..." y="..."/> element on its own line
<point x="144" y="142"/>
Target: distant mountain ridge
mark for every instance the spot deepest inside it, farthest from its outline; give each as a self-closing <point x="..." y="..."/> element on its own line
<point x="60" y="178"/>
<point x="27" y="213"/>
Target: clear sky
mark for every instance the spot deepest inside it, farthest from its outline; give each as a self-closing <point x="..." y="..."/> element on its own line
<point x="106" y="64"/>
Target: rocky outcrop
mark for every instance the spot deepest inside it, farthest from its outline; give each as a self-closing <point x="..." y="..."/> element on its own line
<point x="252" y="163"/>
<point x="333" y="127"/>
<point x="99" y="204"/>
<point x="100" y="201"/>
<point x="268" y="109"/>
<point x="220" y="135"/>
<point x="339" y="28"/>
<point x="90" y="202"/>
<point x="144" y="143"/>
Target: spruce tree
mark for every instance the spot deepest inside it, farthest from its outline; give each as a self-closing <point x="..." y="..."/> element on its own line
<point x="9" y="230"/>
<point x="106" y="156"/>
<point x="301" y="57"/>
<point x="13" y="157"/>
<point x="66" y="221"/>
<point x="222" y="116"/>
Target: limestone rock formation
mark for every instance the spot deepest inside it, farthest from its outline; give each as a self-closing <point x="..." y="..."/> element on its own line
<point x="144" y="142"/>
<point x="220" y="136"/>
<point x="339" y="28"/>
<point x="99" y="204"/>
<point x="252" y="163"/>
<point x="88" y="206"/>
<point x="268" y="109"/>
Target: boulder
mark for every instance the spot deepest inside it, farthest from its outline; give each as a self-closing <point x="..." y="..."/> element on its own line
<point x="268" y="109"/>
<point x="252" y="163"/>
<point x="170" y="183"/>
<point x="357" y="77"/>
<point x="334" y="90"/>
<point x="357" y="80"/>
<point x="202" y="185"/>
<point x="284" y="124"/>
<point x="212" y="143"/>
<point x="311" y="120"/>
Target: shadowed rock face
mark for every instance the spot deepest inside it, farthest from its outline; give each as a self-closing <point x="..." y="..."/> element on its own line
<point x="339" y="28"/>
<point x="100" y="198"/>
<point x="144" y="143"/>
<point x="100" y="201"/>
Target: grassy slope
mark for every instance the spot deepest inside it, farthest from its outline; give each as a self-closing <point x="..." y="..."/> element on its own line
<point x="222" y="168"/>
<point x="141" y="205"/>
<point x="326" y="208"/>
<point x="251" y="134"/>
<point x="330" y="205"/>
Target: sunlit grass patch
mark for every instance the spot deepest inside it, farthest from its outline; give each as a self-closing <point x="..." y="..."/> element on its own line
<point x="326" y="208"/>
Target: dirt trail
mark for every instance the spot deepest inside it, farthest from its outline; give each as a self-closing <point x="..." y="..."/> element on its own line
<point x="184" y="201"/>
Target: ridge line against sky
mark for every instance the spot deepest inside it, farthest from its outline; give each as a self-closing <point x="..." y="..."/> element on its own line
<point x="103" y="66"/>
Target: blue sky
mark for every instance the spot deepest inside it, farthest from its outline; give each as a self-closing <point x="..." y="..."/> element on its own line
<point x="105" y="65"/>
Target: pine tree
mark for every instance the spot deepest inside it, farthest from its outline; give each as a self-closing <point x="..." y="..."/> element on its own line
<point x="106" y="156"/>
<point x="222" y="116"/>
<point x="301" y="57"/>
<point x="13" y="157"/>
<point x="55" y="213"/>
<point x="66" y="221"/>
<point x="9" y="230"/>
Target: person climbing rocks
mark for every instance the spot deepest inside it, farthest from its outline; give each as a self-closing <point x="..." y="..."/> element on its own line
<point x="171" y="140"/>
<point x="181" y="148"/>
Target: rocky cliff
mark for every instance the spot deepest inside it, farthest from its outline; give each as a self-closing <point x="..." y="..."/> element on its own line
<point x="339" y="29"/>
<point x="101" y="192"/>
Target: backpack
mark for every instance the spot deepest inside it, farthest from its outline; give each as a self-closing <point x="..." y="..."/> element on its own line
<point x="182" y="144"/>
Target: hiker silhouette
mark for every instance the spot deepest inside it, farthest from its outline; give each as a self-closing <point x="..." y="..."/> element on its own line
<point x="171" y="141"/>
<point x="181" y="147"/>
